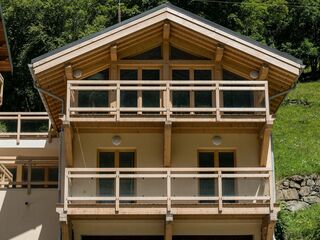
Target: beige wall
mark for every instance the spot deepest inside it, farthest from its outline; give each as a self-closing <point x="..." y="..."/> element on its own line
<point x="156" y="227"/>
<point x="37" y="220"/>
<point x="149" y="152"/>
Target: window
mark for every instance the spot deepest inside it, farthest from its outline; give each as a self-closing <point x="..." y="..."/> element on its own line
<point x="128" y="98"/>
<point x="37" y="176"/>
<point x="94" y="98"/>
<point x="236" y="98"/>
<point x="116" y="159"/>
<point x="180" y="98"/>
<point x="153" y="54"/>
<point x="150" y="98"/>
<point x="183" y="98"/>
<point x="178" y="54"/>
<point x="216" y="158"/>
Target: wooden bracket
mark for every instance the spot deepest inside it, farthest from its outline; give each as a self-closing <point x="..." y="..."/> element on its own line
<point x="68" y="72"/>
<point x="167" y="145"/>
<point x="68" y="149"/>
<point x="219" y="54"/>
<point x="263" y="73"/>
<point x="265" y="142"/>
<point x="267" y="227"/>
<point x="166" y="31"/>
<point x="113" y="53"/>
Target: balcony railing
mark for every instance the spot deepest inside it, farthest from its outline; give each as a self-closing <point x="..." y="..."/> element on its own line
<point x="24" y="124"/>
<point x="207" y="101"/>
<point x="167" y="187"/>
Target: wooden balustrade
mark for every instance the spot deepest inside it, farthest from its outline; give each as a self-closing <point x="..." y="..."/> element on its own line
<point x="216" y="109"/>
<point x="18" y="120"/>
<point x="168" y="175"/>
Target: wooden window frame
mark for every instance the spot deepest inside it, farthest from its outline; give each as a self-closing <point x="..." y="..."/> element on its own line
<point x="216" y="152"/>
<point x="116" y="151"/>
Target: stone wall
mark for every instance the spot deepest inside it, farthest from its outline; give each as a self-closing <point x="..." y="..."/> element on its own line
<point x="299" y="192"/>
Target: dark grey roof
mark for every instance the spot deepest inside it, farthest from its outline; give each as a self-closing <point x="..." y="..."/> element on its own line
<point x="169" y="5"/>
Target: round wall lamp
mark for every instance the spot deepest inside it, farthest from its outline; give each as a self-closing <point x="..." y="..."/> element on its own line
<point x="216" y="140"/>
<point x="254" y="74"/>
<point x="77" y="73"/>
<point x="116" y="140"/>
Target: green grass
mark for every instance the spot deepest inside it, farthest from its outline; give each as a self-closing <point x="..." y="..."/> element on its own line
<point x="296" y="132"/>
<point x="304" y="224"/>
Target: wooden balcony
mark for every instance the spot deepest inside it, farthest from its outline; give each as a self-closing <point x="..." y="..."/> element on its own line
<point x="203" y="101"/>
<point x="169" y="191"/>
<point x="27" y="125"/>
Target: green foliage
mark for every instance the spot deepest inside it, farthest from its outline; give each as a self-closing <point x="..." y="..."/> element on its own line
<point x="296" y="132"/>
<point x="304" y="224"/>
<point x="3" y="127"/>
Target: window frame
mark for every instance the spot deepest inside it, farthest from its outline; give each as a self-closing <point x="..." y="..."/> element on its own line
<point x="216" y="152"/>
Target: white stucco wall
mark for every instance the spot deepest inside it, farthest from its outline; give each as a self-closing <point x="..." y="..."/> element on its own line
<point x="36" y="220"/>
<point x="149" y="153"/>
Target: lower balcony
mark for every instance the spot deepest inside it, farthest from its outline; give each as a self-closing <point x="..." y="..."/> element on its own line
<point x="163" y="191"/>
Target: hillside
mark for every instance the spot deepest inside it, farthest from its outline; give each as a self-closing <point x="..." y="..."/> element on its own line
<point x="296" y="136"/>
<point x="296" y="132"/>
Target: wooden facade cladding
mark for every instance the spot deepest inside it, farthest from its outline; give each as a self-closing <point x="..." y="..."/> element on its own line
<point x="164" y="26"/>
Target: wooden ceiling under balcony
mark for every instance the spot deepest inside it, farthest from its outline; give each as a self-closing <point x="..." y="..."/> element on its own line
<point x="50" y="72"/>
<point x="5" y="65"/>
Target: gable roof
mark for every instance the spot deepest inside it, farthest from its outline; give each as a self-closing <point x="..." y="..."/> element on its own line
<point x="187" y="13"/>
<point x="48" y="69"/>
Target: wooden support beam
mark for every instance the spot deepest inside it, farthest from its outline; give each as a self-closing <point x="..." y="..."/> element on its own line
<point x="267" y="227"/>
<point x="66" y="230"/>
<point x="265" y="143"/>
<point x="218" y="71"/>
<point x="113" y="53"/>
<point x="68" y="72"/>
<point x="219" y="54"/>
<point x="68" y="149"/>
<point x="167" y="145"/>
<point x="168" y="230"/>
<point x="263" y="73"/>
<point x="166" y="31"/>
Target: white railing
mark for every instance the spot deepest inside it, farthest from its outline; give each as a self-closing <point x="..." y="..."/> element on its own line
<point x="167" y="196"/>
<point x="258" y="111"/>
<point x="14" y="124"/>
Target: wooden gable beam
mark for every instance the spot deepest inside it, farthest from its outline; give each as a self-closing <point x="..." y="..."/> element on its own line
<point x="217" y="61"/>
<point x="113" y="53"/>
<point x="263" y="73"/>
<point x="68" y="149"/>
<point x="219" y="54"/>
<point x="166" y="31"/>
<point x="265" y="144"/>
<point x="68" y="72"/>
<point x="167" y="145"/>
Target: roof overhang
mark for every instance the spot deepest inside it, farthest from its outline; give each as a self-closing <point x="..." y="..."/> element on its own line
<point x="48" y="69"/>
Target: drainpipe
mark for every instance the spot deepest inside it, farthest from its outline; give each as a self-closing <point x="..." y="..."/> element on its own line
<point x="45" y="92"/>
<point x="290" y="89"/>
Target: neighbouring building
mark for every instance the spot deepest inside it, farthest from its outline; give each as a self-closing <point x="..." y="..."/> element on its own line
<point x="159" y="128"/>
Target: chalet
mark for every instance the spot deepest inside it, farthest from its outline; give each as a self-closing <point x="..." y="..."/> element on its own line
<point x="159" y="128"/>
<point x="5" y="56"/>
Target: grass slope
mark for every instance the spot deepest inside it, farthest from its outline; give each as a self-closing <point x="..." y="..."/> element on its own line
<point x="296" y="132"/>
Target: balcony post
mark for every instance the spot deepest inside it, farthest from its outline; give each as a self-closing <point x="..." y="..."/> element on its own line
<point x="18" y="128"/>
<point x="217" y="102"/>
<point x="267" y="102"/>
<point x="118" y="101"/>
<point x="117" y="202"/>
<point x="220" y="190"/>
<point x="68" y="101"/>
<point x="168" y="101"/>
<point x="66" y="190"/>
<point x="271" y="186"/>
<point x="168" y="191"/>
<point x="168" y="230"/>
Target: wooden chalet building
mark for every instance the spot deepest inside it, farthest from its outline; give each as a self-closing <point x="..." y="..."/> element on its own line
<point x="5" y="57"/>
<point x="164" y="124"/>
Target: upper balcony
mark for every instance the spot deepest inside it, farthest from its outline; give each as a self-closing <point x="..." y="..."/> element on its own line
<point x="167" y="101"/>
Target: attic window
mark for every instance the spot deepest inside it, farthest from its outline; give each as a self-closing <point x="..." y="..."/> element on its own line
<point x="153" y="54"/>
<point x="178" y="54"/>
